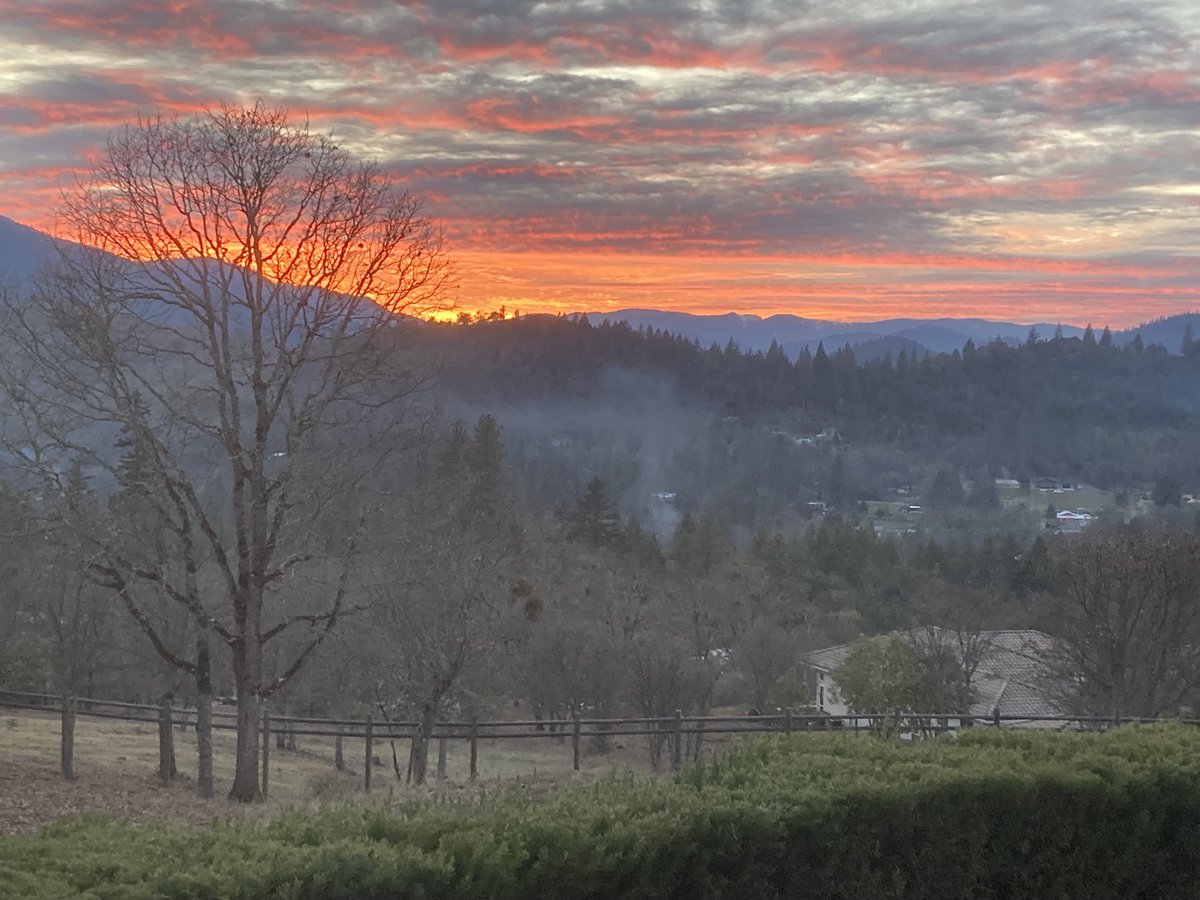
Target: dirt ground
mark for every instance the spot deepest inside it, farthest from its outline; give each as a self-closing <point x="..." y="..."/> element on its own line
<point x="116" y="762"/>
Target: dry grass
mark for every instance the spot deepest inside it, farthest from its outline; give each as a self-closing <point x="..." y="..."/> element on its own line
<point x="116" y="764"/>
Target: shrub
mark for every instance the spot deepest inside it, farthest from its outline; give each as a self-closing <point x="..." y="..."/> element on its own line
<point x="986" y="815"/>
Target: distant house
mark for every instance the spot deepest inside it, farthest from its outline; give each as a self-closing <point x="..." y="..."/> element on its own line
<point x="1055" y="485"/>
<point x="1010" y="672"/>
<point x="1073" y="521"/>
<point x="1007" y="483"/>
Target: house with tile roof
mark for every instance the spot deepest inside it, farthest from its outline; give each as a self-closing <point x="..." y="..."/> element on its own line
<point x="1009" y="672"/>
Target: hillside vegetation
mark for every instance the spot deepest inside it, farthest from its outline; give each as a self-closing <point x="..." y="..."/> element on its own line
<point x="988" y="815"/>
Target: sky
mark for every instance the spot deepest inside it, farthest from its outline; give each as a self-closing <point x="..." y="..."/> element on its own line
<point x="853" y="160"/>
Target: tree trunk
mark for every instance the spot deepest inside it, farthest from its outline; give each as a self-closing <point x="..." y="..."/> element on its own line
<point x="67" y="748"/>
<point x="245" y="775"/>
<point x="166" y="743"/>
<point x="420" y="743"/>
<point x="204" y="747"/>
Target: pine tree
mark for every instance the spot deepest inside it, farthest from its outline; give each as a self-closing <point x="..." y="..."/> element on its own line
<point x="838" y="493"/>
<point x="594" y="519"/>
<point x="485" y="458"/>
<point x="821" y="363"/>
<point x="452" y="456"/>
<point x="946" y="489"/>
<point x="1106" y="338"/>
<point x="1089" y="336"/>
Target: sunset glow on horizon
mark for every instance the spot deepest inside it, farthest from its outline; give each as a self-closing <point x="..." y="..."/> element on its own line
<point x="850" y="161"/>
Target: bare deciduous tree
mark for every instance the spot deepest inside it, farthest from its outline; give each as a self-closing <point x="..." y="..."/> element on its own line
<point x="1125" y="607"/>
<point x="451" y="601"/>
<point x="235" y="324"/>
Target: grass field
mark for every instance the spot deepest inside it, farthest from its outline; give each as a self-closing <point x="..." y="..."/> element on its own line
<point x="1090" y="500"/>
<point x="116" y="762"/>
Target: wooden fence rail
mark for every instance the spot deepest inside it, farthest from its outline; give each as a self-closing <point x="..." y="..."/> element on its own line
<point x="673" y="730"/>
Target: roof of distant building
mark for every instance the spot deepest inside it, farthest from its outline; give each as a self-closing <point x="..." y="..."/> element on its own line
<point x="1011" y="673"/>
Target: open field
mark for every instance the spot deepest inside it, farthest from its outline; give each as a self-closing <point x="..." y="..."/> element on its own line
<point x="116" y="762"/>
<point x="1090" y="500"/>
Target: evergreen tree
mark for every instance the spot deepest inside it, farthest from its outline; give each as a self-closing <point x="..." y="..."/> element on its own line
<point x="594" y="519"/>
<point x="1167" y="492"/>
<point x="699" y="545"/>
<point x="485" y="457"/>
<point x="946" y="489"/>
<point x="983" y="493"/>
<point x="821" y="364"/>
<point x="1188" y="345"/>
<point x="1106" y="338"/>
<point x="838" y="494"/>
<point x="452" y="456"/>
<point x="1089" y="336"/>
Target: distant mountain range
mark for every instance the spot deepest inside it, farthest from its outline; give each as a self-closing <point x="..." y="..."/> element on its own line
<point x="945" y="335"/>
<point x="24" y="249"/>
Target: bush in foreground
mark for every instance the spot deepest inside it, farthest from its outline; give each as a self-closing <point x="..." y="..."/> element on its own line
<point x="989" y="815"/>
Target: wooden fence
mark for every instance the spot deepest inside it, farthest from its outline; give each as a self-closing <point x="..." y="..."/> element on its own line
<point x="670" y="731"/>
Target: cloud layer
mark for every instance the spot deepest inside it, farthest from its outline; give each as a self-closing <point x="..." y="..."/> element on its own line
<point x="851" y="160"/>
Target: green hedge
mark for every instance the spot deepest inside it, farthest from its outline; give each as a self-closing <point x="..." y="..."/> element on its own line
<point x="987" y="815"/>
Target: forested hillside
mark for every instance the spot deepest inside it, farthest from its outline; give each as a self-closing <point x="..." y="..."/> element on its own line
<point x="746" y="428"/>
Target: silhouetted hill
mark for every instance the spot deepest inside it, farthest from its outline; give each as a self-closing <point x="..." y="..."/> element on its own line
<point x="794" y="333"/>
<point x="1167" y="331"/>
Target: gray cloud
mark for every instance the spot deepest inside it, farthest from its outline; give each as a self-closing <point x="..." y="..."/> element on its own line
<point x="769" y="127"/>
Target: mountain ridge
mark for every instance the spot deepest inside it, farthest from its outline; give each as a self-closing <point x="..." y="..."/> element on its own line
<point x="24" y="249"/>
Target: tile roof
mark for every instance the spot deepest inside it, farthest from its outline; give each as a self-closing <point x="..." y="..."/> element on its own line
<point x="1011" y="672"/>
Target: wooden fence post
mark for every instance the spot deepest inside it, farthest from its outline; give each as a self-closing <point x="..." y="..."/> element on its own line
<point x="441" y="764"/>
<point x="67" y="748"/>
<point x="576" y="732"/>
<point x="369" y="754"/>
<point x="474" y="737"/>
<point x="677" y="749"/>
<point x="339" y="761"/>
<point x="266" y="750"/>
<point x="787" y="721"/>
<point x="166" y="742"/>
<point x="996" y="715"/>
<point x="204" y="745"/>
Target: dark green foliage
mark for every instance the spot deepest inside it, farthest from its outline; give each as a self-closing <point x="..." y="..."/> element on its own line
<point x="1078" y="408"/>
<point x="594" y="519"/>
<point x="1167" y="492"/>
<point x="990" y="815"/>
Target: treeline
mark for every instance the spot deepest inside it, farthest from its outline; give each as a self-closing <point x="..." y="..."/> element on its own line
<point x="471" y="595"/>
<point x="1078" y="408"/>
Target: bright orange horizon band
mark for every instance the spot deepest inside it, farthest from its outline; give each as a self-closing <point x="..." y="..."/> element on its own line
<point x="1019" y="162"/>
<point x="839" y="287"/>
